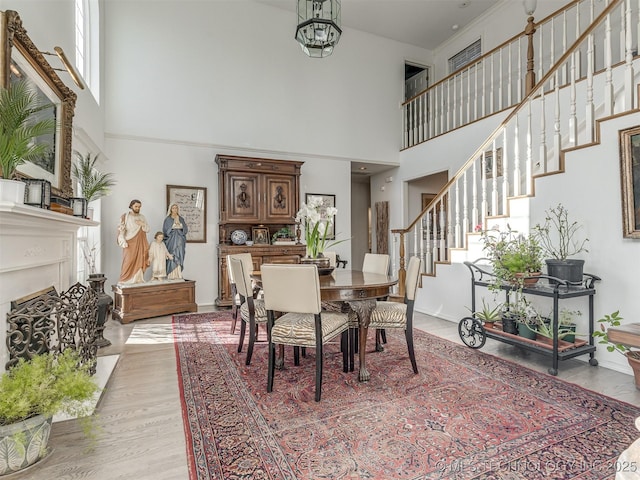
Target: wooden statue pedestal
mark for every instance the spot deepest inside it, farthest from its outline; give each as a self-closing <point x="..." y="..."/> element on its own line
<point x="147" y="300"/>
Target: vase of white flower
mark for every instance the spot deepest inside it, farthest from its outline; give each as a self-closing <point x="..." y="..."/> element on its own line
<point x="316" y="218"/>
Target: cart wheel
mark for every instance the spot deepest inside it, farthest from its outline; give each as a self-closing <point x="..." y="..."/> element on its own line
<point x="553" y="371"/>
<point x="471" y="332"/>
<point x="593" y="362"/>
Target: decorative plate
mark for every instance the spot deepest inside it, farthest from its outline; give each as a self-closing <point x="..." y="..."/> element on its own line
<point x="238" y="237"/>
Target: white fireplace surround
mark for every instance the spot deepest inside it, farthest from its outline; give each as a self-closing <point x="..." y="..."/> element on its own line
<point x="38" y="248"/>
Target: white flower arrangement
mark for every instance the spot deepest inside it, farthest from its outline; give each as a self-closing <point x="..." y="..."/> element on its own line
<point x="316" y="219"/>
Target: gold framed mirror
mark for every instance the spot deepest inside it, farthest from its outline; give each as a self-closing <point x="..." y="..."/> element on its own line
<point x="20" y="59"/>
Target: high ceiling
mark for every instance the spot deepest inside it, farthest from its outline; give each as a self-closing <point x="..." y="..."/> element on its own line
<point x="423" y="23"/>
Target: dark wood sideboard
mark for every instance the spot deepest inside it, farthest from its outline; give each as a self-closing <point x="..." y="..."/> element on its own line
<point x="256" y="193"/>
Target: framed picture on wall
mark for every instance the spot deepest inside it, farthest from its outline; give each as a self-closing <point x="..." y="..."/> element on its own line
<point x="327" y="201"/>
<point x="192" y="205"/>
<point x="488" y="163"/>
<point x="630" y="171"/>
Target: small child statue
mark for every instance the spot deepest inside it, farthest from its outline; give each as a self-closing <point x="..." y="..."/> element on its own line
<point x="158" y="255"/>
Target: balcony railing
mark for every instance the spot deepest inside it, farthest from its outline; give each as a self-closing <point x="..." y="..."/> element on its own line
<point x="498" y="80"/>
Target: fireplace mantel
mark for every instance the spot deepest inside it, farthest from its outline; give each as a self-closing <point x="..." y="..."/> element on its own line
<point x="38" y="248"/>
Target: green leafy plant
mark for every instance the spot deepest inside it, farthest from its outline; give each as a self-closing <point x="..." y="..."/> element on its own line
<point x="317" y="220"/>
<point x="488" y="313"/>
<point x="93" y="183"/>
<point x="19" y="127"/>
<point x="613" y="320"/>
<point x="511" y="254"/>
<point x="558" y="236"/>
<point x="45" y="385"/>
<point x="546" y="330"/>
<point x="284" y="232"/>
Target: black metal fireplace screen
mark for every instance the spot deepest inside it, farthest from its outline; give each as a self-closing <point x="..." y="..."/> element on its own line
<point x="52" y="322"/>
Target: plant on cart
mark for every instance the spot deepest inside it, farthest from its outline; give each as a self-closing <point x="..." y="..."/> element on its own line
<point x="513" y="256"/>
<point x="559" y="238"/>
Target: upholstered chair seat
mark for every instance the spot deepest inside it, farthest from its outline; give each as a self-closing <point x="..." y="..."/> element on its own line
<point x="298" y="329"/>
<point x="260" y="311"/>
<point x="389" y="315"/>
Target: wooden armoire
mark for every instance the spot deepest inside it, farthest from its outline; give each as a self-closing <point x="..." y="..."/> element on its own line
<point x="255" y="193"/>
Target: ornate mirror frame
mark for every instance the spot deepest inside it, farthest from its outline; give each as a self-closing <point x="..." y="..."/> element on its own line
<point x="15" y="45"/>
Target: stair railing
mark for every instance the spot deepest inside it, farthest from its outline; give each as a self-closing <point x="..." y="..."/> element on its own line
<point x="530" y="141"/>
<point x="496" y="81"/>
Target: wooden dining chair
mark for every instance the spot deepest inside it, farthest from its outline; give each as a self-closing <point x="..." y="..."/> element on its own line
<point x="294" y="290"/>
<point x="252" y="310"/>
<point x="400" y="315"/>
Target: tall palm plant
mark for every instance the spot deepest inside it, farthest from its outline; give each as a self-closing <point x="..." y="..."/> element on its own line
<point x="93" y="183"/>
<point x="18" y="128"/>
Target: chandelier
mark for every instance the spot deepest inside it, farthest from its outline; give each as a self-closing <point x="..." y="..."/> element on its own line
<point x="318" y="28"/>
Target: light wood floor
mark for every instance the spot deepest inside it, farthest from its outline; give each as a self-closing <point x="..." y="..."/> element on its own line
<point x="142" y="435"/>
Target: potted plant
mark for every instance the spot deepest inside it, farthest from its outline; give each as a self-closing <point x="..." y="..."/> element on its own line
<point x="19" y="127"/>
<point x="488" y="314"/>
<point x="93" y="183"/>
<point x="31" y="392"/>
<point x="633" y="356"/>
<point x="558" y="237"/>
<point x="566" y="326"/>
<point x="513" y="256"/>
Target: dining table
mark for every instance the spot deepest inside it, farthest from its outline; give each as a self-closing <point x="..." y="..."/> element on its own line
<point x="359" y="291"/>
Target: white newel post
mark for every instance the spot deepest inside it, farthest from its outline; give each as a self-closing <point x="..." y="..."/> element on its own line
<point x="38" y="248"/>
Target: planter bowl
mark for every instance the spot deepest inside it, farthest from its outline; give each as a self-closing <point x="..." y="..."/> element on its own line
<point x="23" y="443"/>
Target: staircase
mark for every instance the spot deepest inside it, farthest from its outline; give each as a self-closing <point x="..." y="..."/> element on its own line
<point x="595" y="79"/>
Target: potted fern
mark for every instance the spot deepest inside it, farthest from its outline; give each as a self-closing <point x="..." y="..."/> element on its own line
<point x="93" y="183"/>
<point x="19" y="106"/>
<point x="31" y="392"/>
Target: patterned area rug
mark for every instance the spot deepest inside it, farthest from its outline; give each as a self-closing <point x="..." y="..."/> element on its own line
<point x="465" y="415"/>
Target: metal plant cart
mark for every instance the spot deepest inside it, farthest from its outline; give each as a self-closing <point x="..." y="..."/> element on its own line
<point x="474" y="334"/>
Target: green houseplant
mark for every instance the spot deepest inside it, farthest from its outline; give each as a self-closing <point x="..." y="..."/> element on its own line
<point x="93" y="183"/>
<point x="515" y="260"/>
<point x="559" y="239"/>
<point x="31" y="392"/>
<point x="488" y="314"/>
<point x="633" y="356"/>
<point x="19" y="127"/>
<point x="512" y="255"/>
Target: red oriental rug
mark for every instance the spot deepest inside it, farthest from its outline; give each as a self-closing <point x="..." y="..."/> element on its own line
<point x="466" y="415"/>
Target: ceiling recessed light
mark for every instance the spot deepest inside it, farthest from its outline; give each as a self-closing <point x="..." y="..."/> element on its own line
<point x="454" y="27"/>
<point x="363" y="168"/>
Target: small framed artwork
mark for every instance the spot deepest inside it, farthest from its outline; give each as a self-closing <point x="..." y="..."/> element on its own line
<point x="488" y="163"/>
<point x="630" y="182"/>
<point x="260" y="235"/>
<point x="327" y="201"/>
<point x="192" y="206"/>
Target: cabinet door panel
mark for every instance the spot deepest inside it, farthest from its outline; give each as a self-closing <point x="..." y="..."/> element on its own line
<point x="243" y="201"/>
<point x="280" y="201"/>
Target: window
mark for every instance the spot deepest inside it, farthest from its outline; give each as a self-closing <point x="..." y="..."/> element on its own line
<point x="87" y="19"/>
<point x="465" y="57"/>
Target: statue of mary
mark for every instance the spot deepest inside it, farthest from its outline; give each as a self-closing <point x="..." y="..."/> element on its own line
<point x="175" y="231"/>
